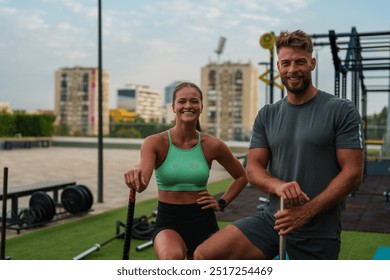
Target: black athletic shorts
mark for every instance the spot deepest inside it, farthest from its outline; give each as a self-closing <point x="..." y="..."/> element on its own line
<point x="192" y="223"/>
<point x="259" y="229"/>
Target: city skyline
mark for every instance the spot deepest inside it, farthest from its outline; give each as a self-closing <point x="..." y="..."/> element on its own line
<point x="158" y="42"/>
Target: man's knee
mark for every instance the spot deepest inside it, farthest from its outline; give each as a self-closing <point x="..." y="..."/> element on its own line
<point x="214" y="247"/>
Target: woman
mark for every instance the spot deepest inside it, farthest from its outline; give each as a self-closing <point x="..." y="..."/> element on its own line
<point x="182" y="158"/>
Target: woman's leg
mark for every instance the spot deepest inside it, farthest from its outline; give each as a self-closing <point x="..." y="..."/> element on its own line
<point x="169" y="245"/>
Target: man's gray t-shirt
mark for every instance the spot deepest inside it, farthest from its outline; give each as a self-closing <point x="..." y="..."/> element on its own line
<point x="303" y="140"/>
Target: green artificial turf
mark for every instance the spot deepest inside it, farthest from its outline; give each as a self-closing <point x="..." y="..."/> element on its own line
<point x="356" y="245"/>
<point x="66" y="241"/>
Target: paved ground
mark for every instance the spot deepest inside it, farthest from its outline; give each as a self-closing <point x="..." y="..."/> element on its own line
<point x="30" y="166"/>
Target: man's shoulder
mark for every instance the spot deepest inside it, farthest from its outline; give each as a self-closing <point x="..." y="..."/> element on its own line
<point x="274" y="106"/>
<point x="333" y="99"/>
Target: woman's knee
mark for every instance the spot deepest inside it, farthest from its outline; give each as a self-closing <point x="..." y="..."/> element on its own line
<point x="169" y="245"/>
<point x="200" y="253"/>
<point x="171" y="254"/>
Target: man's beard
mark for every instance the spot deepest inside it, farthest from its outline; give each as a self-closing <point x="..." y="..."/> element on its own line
<point x="300" y="89"/>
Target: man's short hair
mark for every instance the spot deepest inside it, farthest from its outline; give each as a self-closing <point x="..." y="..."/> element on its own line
<point x="295" y="39"/>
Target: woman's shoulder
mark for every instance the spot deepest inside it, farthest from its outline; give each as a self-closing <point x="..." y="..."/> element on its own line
<point x="211" y="141"/>
<point x="156" y="139"/>
<point x="208" y="137"/>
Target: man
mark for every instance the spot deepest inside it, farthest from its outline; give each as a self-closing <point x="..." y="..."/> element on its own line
<point x="307" y="149"/>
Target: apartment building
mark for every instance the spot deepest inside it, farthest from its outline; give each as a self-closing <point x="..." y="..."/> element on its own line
<point x="142" y="100"/>
<point x="230" y="99"/>
<point x="168" y="116"/>
<point x="77" y="100"/>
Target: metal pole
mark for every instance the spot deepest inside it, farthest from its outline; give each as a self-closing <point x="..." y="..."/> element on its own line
<point x="219" y="50"/>
<point x="271" y="77"/>
<point x="266" y="82"/>
<point x="282" y="238"/>
<point x="4" y="213"/>
<point x="266" y="93"/>
<point x="218" y="97"/>
<point x="100" y="107"/>
<point x="144" y="246"/>
<point x="316" y="68"/>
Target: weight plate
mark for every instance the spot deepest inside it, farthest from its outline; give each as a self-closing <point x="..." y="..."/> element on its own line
<point x="73" y="199"/>
<point x="26" y="217"/>
<point x="40" y="214"/>
<point x="88" y="195"/>
<point x="83" y="207"/>
<point x="42" y="200"/>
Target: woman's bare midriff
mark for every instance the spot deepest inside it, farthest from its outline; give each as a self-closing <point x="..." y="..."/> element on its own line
<point x="189" y="197"/>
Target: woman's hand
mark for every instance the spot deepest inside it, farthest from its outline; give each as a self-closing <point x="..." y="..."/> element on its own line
<point x="208" y="201"/>
<point x="135" y="180"/>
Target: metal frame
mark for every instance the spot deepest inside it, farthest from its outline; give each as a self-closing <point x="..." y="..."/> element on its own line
<point x="366" y="52"/>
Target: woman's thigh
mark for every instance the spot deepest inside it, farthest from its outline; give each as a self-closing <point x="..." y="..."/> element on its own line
<point x="169" y="245"/>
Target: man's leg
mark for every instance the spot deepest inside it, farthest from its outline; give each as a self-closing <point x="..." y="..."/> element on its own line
<point x="228" y="243"/>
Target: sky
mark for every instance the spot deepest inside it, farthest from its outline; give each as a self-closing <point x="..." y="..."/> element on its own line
<point x="156" y="42"/>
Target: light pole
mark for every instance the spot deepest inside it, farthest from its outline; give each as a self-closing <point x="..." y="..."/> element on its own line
<point x="218" y="96"/>
<point x="100" y="106"/>
<point x="266" y="85"/>
<point x="267" y="41"/>
<point x="316" y="68"/>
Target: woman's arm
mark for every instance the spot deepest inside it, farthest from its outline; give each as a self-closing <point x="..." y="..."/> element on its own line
<point x="139" y="176"/>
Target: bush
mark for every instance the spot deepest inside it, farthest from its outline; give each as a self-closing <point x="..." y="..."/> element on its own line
<point x="26" y="125"/>
<point x="7" y="125"/>
<point x="136" y="130"/>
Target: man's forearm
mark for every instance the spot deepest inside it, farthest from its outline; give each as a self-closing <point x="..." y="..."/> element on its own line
<point x="337" y="190"/>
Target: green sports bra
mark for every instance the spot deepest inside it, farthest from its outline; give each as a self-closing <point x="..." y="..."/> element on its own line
<point x="183" y="170"/>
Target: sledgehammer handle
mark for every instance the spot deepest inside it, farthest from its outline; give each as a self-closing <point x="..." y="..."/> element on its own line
<point x="129" y="225"/>
<point x="282" y="238"/>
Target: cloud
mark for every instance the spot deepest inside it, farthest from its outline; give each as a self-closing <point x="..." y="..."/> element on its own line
<point x="6" y="10"/>
<point x="66" y="26"/>
<point x="76" y="56"/>
<point x="75" y="6"/>
<point x="153" y="42"/>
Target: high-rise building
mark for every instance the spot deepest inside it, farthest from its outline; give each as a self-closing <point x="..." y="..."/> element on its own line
<point x="230" y="90"/>
<point x="142" y="100"/>
<point x="169" y="92"/>
<point x="168" y="116"/>
<point x="77" y="100"/>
